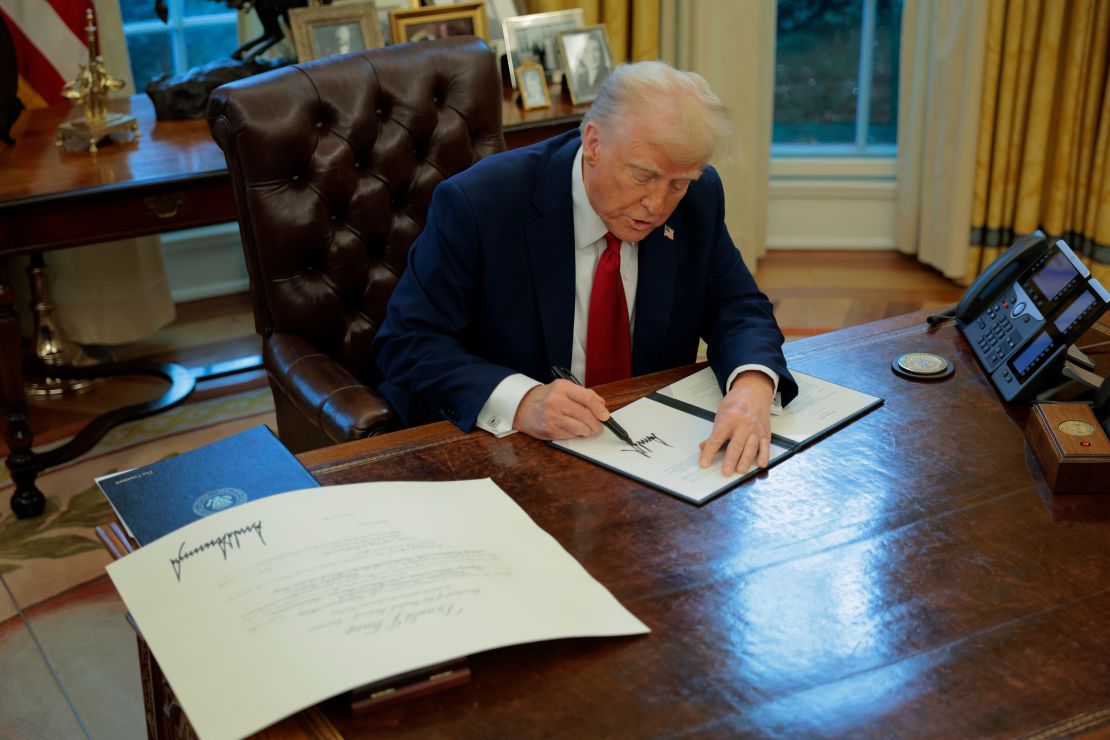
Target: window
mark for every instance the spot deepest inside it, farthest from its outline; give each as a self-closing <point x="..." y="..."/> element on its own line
<point x="197" y="32"/>
<point x="836" y="78"/>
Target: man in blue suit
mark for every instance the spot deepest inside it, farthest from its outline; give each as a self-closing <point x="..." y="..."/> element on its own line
<point x="603" y="250"/>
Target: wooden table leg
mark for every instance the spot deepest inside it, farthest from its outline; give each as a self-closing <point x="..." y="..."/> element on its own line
<point x="27" y="501"/>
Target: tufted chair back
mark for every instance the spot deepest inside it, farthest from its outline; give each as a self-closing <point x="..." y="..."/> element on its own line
<point x="333" y="164"/>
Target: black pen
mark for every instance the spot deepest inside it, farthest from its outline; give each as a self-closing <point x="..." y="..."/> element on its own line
<point x="610" y="423"/>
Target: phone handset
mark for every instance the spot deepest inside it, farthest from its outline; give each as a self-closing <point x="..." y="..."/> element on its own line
<point x="1002" y="271"/>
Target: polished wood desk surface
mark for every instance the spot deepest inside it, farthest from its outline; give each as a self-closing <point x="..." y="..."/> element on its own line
<point x="36" y="168"/>
<point x="907" y="576"/>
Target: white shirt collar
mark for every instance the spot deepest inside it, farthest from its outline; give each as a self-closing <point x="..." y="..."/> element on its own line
<point x="588" y="226"/>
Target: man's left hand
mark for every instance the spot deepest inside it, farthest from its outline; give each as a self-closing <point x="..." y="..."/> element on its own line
<point x="742" y="425"/>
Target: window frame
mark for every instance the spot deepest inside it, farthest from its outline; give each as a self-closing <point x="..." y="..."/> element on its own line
<point x="177" y="23"/>
<point x="859" y="148"/>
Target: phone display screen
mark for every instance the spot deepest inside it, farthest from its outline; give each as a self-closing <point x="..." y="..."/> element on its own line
<point x="1054" y="276"/>
<point x="1030" y="354"/>
<point x="1068" y="316"/>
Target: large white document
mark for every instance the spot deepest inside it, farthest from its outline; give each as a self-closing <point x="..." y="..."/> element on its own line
<point x="668" y="425"/>
<point x="264" y="609"/>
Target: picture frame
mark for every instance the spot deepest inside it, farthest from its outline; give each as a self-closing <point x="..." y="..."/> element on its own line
<point x="384" y="8"/>
<point x="536" y="37"/>
<point x="496" y="10"/>
<point x="533" y="86"/>
<point x="323" y="31"/>
<point x="587" y="61"/>
<point x="439" y="21"/>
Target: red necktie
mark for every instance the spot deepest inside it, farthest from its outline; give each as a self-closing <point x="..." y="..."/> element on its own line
<point x="608" y="345"/>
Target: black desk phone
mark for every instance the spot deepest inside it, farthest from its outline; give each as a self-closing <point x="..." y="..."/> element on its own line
<point x="1024" y="311"/>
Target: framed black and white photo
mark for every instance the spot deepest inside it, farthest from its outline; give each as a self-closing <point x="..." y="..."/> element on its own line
<point x="535" y="37"/>
<point x="328" y="30"/>
<point x="532" y="81"/>
<point x="587" y="61"/>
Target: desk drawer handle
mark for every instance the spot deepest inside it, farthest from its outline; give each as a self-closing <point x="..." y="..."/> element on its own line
<point x="163" y="206"/>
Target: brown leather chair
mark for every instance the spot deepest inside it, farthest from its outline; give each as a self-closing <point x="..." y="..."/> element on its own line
<point x="333" y="164"/>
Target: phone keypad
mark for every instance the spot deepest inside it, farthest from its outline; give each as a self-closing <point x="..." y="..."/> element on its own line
<point x="997" y="335"/>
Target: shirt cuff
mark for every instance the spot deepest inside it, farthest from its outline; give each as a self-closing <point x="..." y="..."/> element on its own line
<point x="776" y="400"/>
<point x="496" y="416"/>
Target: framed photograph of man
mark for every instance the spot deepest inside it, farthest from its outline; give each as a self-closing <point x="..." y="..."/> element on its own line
<point x="532" y="81"/>
<point x="438" y="22"/>
<point x="586" y="61"/>
<point x="536" y="37"/>
<point x="328" y="30"/>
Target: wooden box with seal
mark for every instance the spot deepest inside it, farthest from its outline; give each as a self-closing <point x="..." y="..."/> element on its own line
<point x="1071" y="447"/>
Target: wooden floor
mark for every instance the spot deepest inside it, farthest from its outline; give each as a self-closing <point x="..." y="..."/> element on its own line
<point x="819" y="291"/>
<point x="813" y="292"/>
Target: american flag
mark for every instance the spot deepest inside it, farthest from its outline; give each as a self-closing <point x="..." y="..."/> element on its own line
<point x="49" y="38"/>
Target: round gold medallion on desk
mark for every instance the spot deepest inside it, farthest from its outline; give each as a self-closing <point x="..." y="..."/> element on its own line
<point x="922" y="366"/>
<point x="1076" y="428"/>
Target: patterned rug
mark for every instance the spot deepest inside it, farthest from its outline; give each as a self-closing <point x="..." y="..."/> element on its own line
<point x="47" y="555"/>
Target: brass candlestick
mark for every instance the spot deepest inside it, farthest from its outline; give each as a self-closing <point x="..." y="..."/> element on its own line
<point x="51" y="346"/>
<point x="90" y="88"/>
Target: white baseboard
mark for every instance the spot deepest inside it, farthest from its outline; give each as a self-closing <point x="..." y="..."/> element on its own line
<point x="205" y="262"/>
<point x="831" y="204"/>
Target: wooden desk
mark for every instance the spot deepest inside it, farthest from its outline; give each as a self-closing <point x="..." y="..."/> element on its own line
<point x="174" y="177"/>
<point x="903" y="577"/>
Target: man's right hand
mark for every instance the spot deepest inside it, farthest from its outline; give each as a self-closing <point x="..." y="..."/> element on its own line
<point x="560" y="410"/>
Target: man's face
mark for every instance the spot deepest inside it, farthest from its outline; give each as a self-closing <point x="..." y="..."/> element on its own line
<point x="630" y="181"/>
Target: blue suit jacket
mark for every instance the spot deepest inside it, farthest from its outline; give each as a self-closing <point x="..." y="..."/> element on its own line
<point x="489" y="289"/>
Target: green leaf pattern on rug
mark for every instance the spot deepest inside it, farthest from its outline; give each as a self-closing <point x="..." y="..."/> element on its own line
<point x="45" y="536"/>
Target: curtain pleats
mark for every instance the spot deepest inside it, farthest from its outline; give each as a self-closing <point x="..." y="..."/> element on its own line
<point x="1044" y="130"/>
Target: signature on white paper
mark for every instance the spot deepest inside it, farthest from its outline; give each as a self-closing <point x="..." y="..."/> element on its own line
<point x="643" y="446"/>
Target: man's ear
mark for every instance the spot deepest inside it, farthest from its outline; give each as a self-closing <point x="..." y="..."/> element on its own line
<point x="591" y="142"/>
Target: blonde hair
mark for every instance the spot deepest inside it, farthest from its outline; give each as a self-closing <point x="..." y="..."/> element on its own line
<point x="690" y="121"/>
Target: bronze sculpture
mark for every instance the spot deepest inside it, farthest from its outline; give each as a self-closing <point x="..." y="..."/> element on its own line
<point x="269" y="12"/>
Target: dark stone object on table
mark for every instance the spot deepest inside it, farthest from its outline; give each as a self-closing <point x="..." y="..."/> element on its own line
<point x="186" y="95"/>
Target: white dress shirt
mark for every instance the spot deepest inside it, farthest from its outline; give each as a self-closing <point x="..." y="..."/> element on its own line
<point x="500" y="408"/>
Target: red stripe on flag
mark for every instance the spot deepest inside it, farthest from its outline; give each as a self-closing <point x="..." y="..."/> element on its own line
<point x="72" y="13"/>
<point x="35" y="67"/>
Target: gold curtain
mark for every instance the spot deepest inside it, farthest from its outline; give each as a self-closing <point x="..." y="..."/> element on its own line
<point x="632" y="25"/>
<point x="1044" y="130"/>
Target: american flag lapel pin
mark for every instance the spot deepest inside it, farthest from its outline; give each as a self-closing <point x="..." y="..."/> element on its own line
<point x="668" y="232"/>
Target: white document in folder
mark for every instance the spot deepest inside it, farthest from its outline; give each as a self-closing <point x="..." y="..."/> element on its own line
<point x="665" y="453"/>
<point x="263" y="609"/>
<point x="666" y="435"/>
<point x="819" y="404"/>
